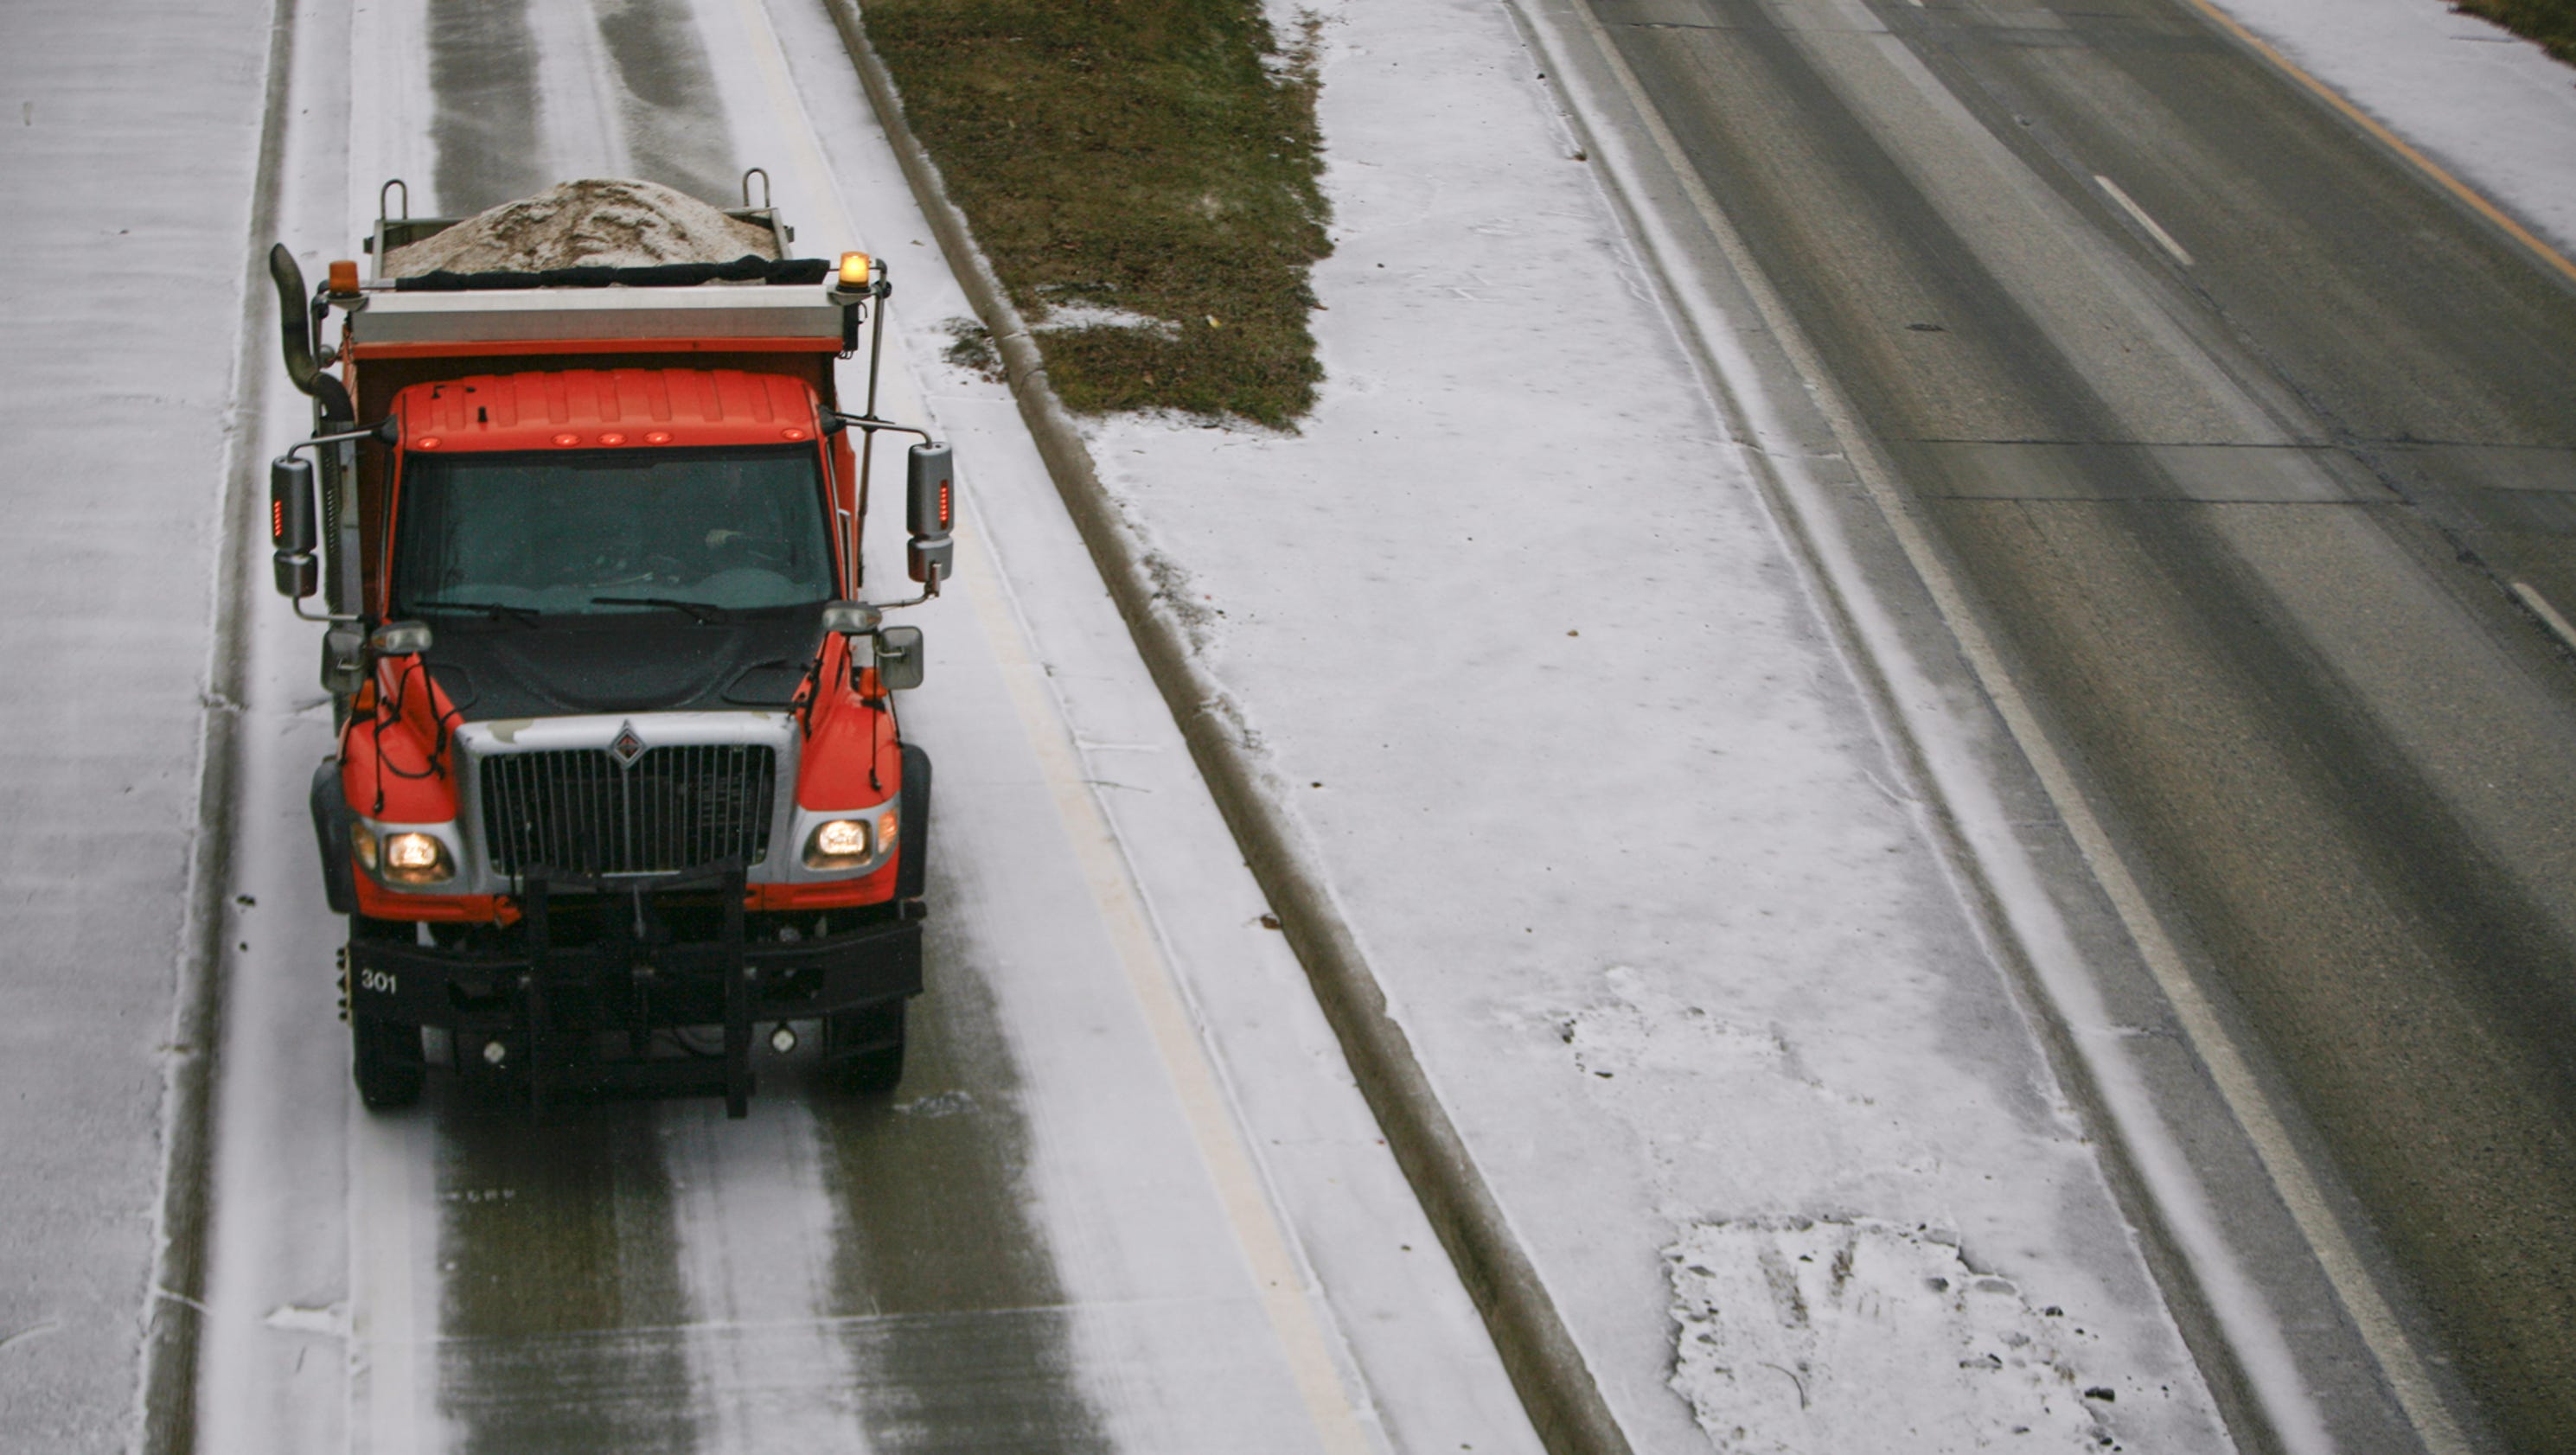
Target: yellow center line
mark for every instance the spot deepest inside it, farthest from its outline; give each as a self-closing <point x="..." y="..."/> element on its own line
<point x="2430" y="168"/>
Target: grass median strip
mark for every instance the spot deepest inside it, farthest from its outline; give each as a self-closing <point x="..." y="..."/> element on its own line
<point x="2550" y="22"/>
<point x="1143" y="176"/>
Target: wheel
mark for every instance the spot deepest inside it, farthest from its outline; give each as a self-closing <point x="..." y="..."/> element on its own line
<point x="386" y="1062"/>
<point x="864" y="1048"/>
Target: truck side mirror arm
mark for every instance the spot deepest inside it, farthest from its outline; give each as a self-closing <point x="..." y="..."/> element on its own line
<point x="930" y="499"/>
<point x="294" y="524"/>
<point x="895" y="651"/>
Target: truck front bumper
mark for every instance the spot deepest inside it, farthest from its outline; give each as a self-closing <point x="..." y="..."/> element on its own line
<point x="577" y="1011"/>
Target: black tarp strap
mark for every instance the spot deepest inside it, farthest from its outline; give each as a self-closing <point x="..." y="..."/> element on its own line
<point x="749" y="268"/>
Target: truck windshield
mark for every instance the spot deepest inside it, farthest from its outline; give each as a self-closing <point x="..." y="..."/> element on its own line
<point x="504" y="534"/>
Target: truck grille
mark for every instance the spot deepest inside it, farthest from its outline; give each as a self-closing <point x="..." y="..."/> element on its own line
<point x="678" y="808"/>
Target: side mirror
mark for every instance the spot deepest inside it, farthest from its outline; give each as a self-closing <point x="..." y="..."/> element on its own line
<point x="899" y="657"/>
<point x="857" y="622"/>
<point x="930" y="504"/>
<point x="930" y="510"/>
<point x="400" y="639"/>
<point x="921" y="558"/>
<point x="344" y="660"/>
<point x="850" y="618"/>
<point x="291" y="526"/>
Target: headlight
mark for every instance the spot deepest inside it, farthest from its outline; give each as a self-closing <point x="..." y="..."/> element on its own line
<point x="415" y="858"/>
<point x="839" y="843"/>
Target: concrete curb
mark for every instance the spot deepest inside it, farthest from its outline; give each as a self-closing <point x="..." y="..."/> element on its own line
<point x="1546" y="1368"/>
<point x="174" y="1310"/>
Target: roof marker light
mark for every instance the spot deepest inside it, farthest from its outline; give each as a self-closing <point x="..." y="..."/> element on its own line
<point x="791" y="434"/>
<point x="612" y="438"/>
<point x="425" y="442"/>
<point x="854" y="271"/>
<point x="567" y="439"/>
<point x="658" y="437"/>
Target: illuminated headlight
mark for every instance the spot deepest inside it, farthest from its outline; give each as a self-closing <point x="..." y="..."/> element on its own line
<point x="838" y="843"/>
<point x="415" y="858"/>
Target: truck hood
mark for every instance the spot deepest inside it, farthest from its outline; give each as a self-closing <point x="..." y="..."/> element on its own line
<point x="644" y="661"/>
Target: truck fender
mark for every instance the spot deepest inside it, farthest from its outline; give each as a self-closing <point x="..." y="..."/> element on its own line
<point x="331" y="819"/>
<point x="912" y="868"/>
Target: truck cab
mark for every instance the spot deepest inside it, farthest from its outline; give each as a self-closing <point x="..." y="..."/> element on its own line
<point x="620" y="793"/>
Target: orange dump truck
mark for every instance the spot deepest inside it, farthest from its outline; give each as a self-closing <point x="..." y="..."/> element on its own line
<point x="620" y="793"/>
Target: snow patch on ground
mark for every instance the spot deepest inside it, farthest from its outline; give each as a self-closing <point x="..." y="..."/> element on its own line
<point x="1840" y="1336"/>
<point x="1071" y="317"/>
<point x="940" y="1104"/>
<point x="1732" y="1096"/>
<point x="600" y="222"/>
<point x="331" y="1319"/>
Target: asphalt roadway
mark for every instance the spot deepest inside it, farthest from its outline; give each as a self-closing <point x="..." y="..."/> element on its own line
<point x="2241" y="432"/>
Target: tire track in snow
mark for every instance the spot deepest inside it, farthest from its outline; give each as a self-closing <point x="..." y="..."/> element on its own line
<point x="673" y="113"/>
<point x="960" y="1324"/>
<point x="565" y="1321"/>
<point x="483" y="88"/>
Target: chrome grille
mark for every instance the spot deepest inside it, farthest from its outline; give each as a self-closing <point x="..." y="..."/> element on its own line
<point x="678" y="808"/>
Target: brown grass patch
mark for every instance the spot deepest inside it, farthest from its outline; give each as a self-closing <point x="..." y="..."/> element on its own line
<point x="1157" y="157"/>
<point x="2550" y="22"/>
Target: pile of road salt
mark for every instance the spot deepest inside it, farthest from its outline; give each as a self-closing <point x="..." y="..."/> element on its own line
<point x="608" y="223"/>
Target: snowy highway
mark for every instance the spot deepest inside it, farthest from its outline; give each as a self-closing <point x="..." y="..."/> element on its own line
<point x="1911" y="641"/>
<point x="1126" y="1197"/>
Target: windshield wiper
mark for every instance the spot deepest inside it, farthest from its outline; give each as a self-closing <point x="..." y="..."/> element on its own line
<point x="493" y="609"/>
<point x="702" y="612"/>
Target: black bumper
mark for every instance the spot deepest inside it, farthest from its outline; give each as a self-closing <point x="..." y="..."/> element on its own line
<point x="632" y="986"/>
<point x="567" y="1002"/>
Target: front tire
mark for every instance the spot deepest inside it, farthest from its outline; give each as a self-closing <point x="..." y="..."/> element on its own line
<point x="864" y="1048"/>
<point x="386" y="1062"/>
